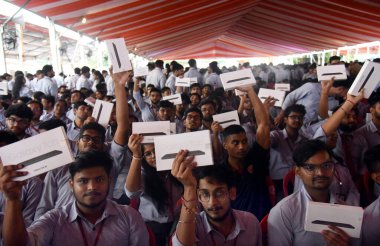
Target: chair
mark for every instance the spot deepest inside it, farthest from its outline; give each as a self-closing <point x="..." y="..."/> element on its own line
<point x="365" y="188"/>
<point x="288" y="182"/>
<point x="271" y="190"/>
<point x="264" y="229"/>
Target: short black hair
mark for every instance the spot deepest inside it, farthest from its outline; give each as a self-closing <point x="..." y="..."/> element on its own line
<point x="77" y="70"/>
<point x="8" y="137"/>
<point x="38" y="95"/>
<point x="374" y="98"/>
<point x="177" y="66"/>
<point x="80" y="103"/>
<point x="52" y="124"/>
<point x="50" y="99"/>
<point x="85" y="69"/>
<point x="372" y="159"/>
<point x="195" y="94"/>
<point x="165" y="104"/>
<point x="159" y="63"/>
<point x="206" y="85"/>
<point x="232" y="130"/>
<point x="192" y="62"/>
<point x="165" y="88"/>
<point x="78" y="91"/>
<point x="36" y="102"/>
<point x="196" y="110"/>
<point x="91" y="159"/>
<point x="208" y="101"/>
<point x="96" y="127"/>
<point x="215" y="174"/>
<point x="46" y="69"/>
<point x="24" y="99"/>
<point x="20" y="110"/>
<point x="154" y="89"/>
<point x="344" y="83"/>
<point x="303" y="151"/>
<point x="195" y="85"/>
<point x="334" y="58"/>
<point x="296" y="108"/>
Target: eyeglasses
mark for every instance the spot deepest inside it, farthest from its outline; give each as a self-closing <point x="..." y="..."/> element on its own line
<point x="149" y="154"/>
<point x="95" y="140"/>
<point x="220" y="195"/>
<point x="12" y="121"/>
<point x="324" y="167"/>
<point x="296" y="117"/>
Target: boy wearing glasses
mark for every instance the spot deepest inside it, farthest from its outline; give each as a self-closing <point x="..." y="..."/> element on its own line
<point x="18" y="117"/>
<point x="218" y="223"/>
<point x="286" y="220"/>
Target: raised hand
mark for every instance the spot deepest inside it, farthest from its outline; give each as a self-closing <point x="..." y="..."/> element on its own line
<point x="11" y="188"/>
<point x="182" y="169"/>
<point x="120" y="78"/>
<point x="134" y="144"/>
<point x="326" y="85"/>
<point x="336" y="237"/>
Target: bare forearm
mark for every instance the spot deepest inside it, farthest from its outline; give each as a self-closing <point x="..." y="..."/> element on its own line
<point x="330" y="126"/>
<point x="186" y="226"/>
<point x="122" y="115"/>
<point x="14" y="231"/>
<point x="324" y="106"/>
<point x="133" y="181"/>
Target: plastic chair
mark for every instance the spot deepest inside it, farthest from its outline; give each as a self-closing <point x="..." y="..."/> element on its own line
<point x="288" y="182"/>
<point x="264" y="229"/>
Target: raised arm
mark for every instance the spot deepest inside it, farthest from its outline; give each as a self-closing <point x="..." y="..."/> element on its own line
<point x="133" y="180"/>
<point x="14" y="230"/>
<point x="330" y="126"/>
<point x="324" y="101"/>
<point x="122" y="112"/>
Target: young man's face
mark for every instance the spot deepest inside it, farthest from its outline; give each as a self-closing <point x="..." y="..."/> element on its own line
<point x="37" y="112"/>
<point x="206" y="91"/>
<point x="375" y="111"/>
<point x="318" y="172"/>
<point x="17" y="125"/>
<point x="60" y="108"/>
<point x="349" y="122"/>
<point x="164" y="113"/>
<point x="155" y="97"/>
<point x="179" y="73"/>
<point x="90" y="187"/>
<point x="166" y="93"/>
<point x="294" y="120"/>
<point x="236" y="145"/>
<point x="193" y="121"/>
<point x="194" y="99"/>
<point x="196" y="89"/>
<point x="90" y="140"/>
<point x="82" y="112"/>
<point x="215" y="199"/>
<point x="208" y="111"/>
<point x="46" y="104"/>
<point x="75" y="97"/>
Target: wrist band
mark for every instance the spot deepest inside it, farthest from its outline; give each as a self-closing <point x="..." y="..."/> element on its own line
<point x="137" y="158"/>
<point x="348" y="100"/>
<point x="345" y="112"/>
<point x="190" y="210"/>
<point x="184" y="200"/>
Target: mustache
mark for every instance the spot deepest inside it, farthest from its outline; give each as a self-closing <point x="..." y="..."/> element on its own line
<point x="92" y="193"/>
<point x="212" y="209"/>
<point x="320" y="178"/>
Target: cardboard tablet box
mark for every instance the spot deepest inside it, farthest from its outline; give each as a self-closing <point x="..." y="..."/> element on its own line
<point x="238" y="78"/>
<point x="227" y="119"/>
<point x="117" y="51"/>
<point x="40" y="153"/>
<point x="282" y="87"/>
<point x="327" y="72"/>
<point x="102" y="112"/>
<point x="193" y="80"/>
<point x="183" y="82"/>
<point x="173" y="128"/>
<point x="278" y="95"/>
<point x="175" y="99"/>
<point x="368" y="78"/>
<point x="151" y="129"/>
<point x="3" y="88"/>
<point x="320" y="215"/>
<point x="239" y="93"/>
<point x="90" y="101"/>
<point x="197" y="143"/>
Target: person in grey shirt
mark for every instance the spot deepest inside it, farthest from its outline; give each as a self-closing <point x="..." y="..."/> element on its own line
<point x="193" y="72"/>
<point x="286" y="220"/>
<point x="48" y="85"/>
<point x="371" y="219"/>
<point x="218" y="223"/>
<point x="148" y="110"/>
<point x="56" y="192"/>
<point x="91" y="219"/>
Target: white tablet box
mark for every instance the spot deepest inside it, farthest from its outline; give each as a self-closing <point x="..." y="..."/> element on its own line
<point x="227" y="119"/>
<point x="173" y="128"/>
<point x="90" y="101"/>
<point x="175" y="99"/>
<point x="183" y="82"/>
<point x="327" y="72"/>
<point x="239" y="93"/>
<point x="118" y="53"/>
<point x="197" y="143"/>
<point x="3" y="88"/>
<point x="282" y="87"/>
<point x="151" y="130"/>
<point x="278" y="95"/>
<point x="367" y="78"/>
<point x="102" y="112"/>
<point x="140" y="71"/>
<point x="39" y="154"/>
<point x="193" y="80"/>
<point x="240" y="78"/>
<point x="320" y="215"/>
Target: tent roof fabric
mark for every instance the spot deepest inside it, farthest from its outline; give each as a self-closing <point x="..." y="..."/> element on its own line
<point x="224" y="28"/>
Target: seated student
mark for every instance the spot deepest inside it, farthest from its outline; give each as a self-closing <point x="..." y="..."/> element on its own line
<point x="37" y="109"/>
<point x="195" y="88"/>
<point x="30" y="192"/>
<point x="206" y="91"/>
<point x="18" y="117"/>
<point x="148" y="110"/>
<point x="195" y="99"/>
<point x="250" y="164"/>
<point x="76" y="96"/>
<point x="59" y="112"/>
<point x="371" y="219"/>
<point x="165" y="111"/>
<point x="286" y="222"/>
<point x="90" y="219"/>
<point x="166" y="91"/>
<point x="177" y="73"/>
<point x="192" y="120"/>
<point x="56" y="192"/>
<point x="218" y="223"/>
<point x="208" y="109"/>
<point x="156" y="193"/>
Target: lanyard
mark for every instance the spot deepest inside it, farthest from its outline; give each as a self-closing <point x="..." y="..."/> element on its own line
<point x="214" y="243"/>
<point x="84" y="236"/>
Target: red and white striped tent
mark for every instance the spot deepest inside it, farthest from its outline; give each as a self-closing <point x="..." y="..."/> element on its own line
<point x="225" y="28"/>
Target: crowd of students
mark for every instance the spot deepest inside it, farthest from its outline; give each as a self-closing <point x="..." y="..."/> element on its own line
<point x="322" y="145"/>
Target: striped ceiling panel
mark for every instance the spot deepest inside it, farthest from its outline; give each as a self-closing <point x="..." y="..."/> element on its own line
<point x="225" y="28"/>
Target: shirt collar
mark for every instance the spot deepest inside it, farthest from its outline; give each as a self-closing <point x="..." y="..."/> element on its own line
<point x="333" y="198"/>
<point x="239" y="226"/>
<point x="109" y="210"/>
<point x="372" y="127"/>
